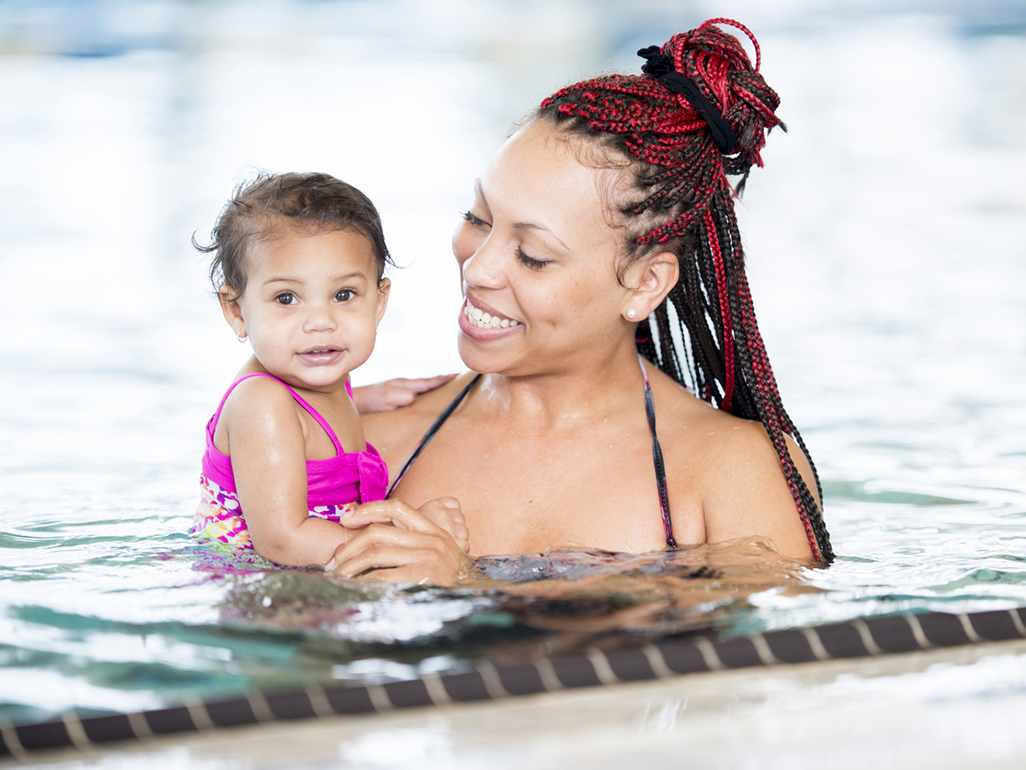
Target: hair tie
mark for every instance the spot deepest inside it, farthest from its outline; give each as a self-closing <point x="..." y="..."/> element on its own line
<point x="660" y="67"/>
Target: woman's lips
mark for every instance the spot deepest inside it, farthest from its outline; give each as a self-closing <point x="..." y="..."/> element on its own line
<point x="484" y="319"/>
<point x="474" y="325"/>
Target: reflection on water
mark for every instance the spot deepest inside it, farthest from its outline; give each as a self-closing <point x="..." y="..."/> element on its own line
<point x="511" y="608"/>
<point x="885" y="239"/>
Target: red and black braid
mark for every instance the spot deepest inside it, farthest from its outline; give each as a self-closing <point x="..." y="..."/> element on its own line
<point x="705" y="334"/>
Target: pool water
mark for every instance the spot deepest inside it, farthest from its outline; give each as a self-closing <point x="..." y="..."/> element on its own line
<point x="886" y="238"/>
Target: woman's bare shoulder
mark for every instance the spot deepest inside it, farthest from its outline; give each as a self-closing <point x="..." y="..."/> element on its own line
<point x="733" y="467"/>
<point x="398" y="431"/>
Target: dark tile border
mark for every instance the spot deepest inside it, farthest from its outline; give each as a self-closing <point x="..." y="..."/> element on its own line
<point x="660" y="660"/>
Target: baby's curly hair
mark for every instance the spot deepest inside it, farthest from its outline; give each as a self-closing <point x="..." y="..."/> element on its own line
<point x="314" y="203"/>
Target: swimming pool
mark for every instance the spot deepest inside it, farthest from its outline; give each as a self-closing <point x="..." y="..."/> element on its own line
<point x="885" y="239"/>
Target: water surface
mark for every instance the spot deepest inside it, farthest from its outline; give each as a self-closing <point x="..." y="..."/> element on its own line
<point x="885" y="240"/>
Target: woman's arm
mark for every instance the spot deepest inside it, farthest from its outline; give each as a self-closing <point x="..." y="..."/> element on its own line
<point x="748" y="496"/>
<point x="393" y="394"/>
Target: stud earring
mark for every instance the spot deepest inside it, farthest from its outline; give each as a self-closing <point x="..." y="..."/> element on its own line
<point x="632" y="313"/>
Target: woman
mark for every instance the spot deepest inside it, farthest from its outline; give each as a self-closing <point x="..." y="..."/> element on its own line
<point x="605" y="228"/>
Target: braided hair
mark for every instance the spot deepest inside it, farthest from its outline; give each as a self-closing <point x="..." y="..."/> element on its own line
<point x="704" y="334"/>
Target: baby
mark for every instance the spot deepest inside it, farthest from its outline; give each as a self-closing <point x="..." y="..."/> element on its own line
<point x="298" y="267"/>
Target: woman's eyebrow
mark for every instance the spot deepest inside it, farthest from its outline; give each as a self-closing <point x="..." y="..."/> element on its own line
<point x="518" y="225"/>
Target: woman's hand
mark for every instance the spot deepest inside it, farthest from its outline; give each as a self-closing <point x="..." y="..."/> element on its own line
<point x="392" y="394"/>
<point x="400" y="544"/>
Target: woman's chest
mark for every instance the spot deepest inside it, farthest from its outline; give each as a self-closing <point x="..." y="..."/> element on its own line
<point x="526" y="494"/>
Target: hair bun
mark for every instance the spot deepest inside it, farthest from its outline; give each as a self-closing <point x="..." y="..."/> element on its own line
<point x="721" y="68"/>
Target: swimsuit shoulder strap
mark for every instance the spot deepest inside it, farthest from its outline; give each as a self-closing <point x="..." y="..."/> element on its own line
<point x="299" y="400"/>
<point x="431" y="432"/>
<point x="657" y="451"/>
<point x="657" y="460"/>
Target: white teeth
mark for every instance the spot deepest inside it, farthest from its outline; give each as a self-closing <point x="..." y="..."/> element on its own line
<point x="485" y="320"/>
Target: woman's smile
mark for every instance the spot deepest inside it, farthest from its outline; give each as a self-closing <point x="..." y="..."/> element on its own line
<point x="483" y="323"/>
<point x="484" y="316"/>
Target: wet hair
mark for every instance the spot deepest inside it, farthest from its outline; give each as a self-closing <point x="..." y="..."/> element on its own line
<point x="704" y="334"/>
<point x="260" y="208"/>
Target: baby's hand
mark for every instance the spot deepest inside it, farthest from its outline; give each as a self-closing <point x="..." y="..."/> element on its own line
<point x="445" y="512"/>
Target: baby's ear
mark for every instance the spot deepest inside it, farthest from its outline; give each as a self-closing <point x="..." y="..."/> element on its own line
<point x="229" y="300"/>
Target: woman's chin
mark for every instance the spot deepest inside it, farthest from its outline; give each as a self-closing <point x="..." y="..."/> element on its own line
<point x="484" y="358"/>
<point x="483" y="348"/>
<point x="477" y="359"/>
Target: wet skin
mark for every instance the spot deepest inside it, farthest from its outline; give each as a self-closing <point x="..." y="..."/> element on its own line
<point x="552" y="449"/>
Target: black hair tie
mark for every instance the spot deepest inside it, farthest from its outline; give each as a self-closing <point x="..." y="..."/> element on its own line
<point x="660" y="66"/>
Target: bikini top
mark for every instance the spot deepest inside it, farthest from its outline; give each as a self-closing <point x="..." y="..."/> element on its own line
<point x="657" y="451"/>
<point x="348" y="477"/>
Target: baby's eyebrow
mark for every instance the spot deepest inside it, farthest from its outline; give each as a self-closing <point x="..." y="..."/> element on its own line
<point x="335" y="279"/>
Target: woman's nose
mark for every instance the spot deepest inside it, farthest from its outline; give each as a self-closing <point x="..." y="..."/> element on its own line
<point x="484" y="268"/>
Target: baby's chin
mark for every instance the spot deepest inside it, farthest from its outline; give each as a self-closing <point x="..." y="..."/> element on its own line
<point x="311" y="379"/>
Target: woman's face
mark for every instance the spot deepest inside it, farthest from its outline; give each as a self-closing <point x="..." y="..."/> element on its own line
<point x="538" y="255"/>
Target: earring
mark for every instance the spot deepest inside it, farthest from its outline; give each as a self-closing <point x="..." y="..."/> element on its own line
<point x="242" y="337"/>
<point x="632" y="313"/>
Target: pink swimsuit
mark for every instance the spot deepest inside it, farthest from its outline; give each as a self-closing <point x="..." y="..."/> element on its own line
<point x="334" y="486"/>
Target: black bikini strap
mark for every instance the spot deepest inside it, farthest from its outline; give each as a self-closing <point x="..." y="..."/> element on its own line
<point x="657" y="460"/>
<point x="431" y="433"/>
<point x="657" y="451"/>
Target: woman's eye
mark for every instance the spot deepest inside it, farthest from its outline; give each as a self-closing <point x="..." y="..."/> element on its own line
<point x="531" y="262"/>
<point x="285" y="298"/>
<point x="474" y="220"/>
<point x="344" y="295"/>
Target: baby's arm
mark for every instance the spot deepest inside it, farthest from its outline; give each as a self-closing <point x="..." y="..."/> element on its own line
<point x="268" y="452"/>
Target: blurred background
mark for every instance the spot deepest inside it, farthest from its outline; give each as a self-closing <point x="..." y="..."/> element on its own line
<point x="886" y="239"/>
<point x="885" y="234"/>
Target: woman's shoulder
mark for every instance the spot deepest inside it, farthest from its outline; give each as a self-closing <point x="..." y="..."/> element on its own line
<point x="396" y="432"/>
<point x="732" y="466"/>
<point x="678" y="407"/>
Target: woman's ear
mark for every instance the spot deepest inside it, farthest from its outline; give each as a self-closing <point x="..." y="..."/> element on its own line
<point x="232" y="311"/>
<point x="649" y="280"/>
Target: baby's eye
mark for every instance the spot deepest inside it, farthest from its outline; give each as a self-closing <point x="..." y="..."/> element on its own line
<point x="285" y="298"/>
<point x="344" y="295"/>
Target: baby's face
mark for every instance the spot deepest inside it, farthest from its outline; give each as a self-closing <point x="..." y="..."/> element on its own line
<point x="311" y="306"/>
